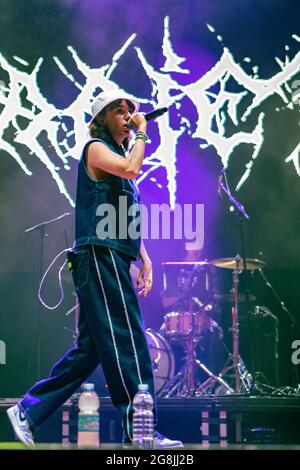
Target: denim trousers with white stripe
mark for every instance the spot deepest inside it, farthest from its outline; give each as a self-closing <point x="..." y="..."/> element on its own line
<point x="111" y="331"/>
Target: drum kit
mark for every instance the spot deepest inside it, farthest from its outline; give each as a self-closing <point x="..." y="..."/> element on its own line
<point x="191" y="288"/>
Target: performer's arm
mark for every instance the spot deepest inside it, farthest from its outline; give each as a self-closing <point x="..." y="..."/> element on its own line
<point x="100" y="156"/>
<point x="146" y="273"/>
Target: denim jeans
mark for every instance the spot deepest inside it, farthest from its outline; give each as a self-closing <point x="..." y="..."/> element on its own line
<point x="111" y="331"/>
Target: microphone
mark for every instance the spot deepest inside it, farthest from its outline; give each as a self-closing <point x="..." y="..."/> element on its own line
<point x="155" y="113"/>
<point x="152" y="115"/>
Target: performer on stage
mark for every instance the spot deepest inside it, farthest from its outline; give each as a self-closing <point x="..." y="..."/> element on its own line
<point x="107" y="239"/>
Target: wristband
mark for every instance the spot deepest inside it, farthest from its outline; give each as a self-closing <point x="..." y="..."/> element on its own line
<point x="142" y="136"/>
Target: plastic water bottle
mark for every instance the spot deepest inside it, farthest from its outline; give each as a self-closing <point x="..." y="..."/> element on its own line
<point x="88" y="417"/>
<point x="142" y="437"/>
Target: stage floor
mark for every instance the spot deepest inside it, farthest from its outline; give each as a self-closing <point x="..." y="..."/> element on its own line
<point x="251" y="422"/>
<point x="118" y="447"/>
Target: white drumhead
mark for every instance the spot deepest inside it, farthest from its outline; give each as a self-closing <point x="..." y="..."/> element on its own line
<point x="162" y="359"/>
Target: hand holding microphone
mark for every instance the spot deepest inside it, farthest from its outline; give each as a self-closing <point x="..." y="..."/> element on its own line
<point x="137" y="121"/>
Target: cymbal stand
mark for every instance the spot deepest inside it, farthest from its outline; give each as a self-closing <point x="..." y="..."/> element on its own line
<point x="241" y="376"/>
<point x="235" y="326"/>
<point x="240" y="372"/>
<point x="242" y="216"/>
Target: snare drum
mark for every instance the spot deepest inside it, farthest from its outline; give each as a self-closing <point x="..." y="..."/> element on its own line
<point x="180" y="324"/>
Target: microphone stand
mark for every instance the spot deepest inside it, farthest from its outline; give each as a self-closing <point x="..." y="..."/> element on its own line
<point x="41" y="227"/>
<point x="242" y="215"/>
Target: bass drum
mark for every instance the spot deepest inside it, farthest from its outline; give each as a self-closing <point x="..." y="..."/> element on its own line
<point x="163" y="361"/>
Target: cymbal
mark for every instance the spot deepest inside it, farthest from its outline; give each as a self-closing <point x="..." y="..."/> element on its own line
<point x="230" y="263"/>
<point x="229" y="297"/>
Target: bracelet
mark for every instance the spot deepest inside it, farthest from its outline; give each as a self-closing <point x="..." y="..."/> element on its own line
<point x="141" y="133"/>
<point x="143" y="137"/>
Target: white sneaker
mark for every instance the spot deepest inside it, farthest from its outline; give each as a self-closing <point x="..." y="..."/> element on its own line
<point x="21" y="425"/>
<point x="159" y="442"/>
<point x="162" y="442"/>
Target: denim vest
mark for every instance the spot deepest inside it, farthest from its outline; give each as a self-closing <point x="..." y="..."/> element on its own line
<point x="107" y="211"/>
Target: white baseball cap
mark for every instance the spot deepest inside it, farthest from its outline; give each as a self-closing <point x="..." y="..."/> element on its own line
<point x="107" y="97"/>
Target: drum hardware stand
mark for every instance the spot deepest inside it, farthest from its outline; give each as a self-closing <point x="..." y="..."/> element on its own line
<point x="183" y="384"/>
<point x="242" y="215"/>
<point x="184" y="381"/>
<point x="241" y="375"/>
<point x="235" y="327"/>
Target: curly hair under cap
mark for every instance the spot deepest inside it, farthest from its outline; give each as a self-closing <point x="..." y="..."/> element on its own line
<point x="98" y="129"/>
